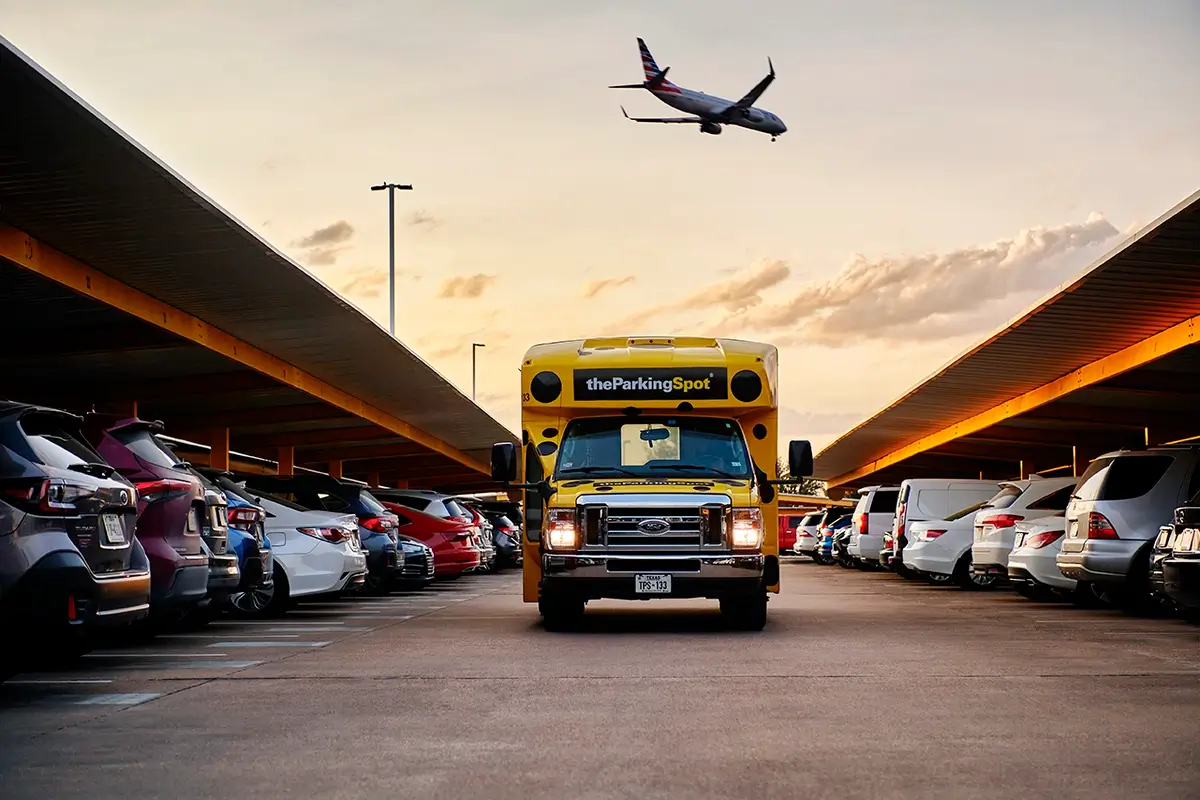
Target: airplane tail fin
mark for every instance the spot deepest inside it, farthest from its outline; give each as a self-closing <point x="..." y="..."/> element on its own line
<point x="650" y="66"/>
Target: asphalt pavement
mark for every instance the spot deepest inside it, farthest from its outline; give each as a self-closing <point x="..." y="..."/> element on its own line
<point x="861" y="685"/>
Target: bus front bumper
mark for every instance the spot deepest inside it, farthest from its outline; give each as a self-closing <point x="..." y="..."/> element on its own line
<point x="616" y="576"/>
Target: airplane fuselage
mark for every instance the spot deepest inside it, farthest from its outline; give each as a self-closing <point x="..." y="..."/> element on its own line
<point x="709" y="108"/>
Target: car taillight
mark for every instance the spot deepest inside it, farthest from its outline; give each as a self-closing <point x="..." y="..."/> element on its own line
<point x="1039" y="540"/>
<point x="1098" y="527"/>
<point x="242" y="518"/>
<point x="860" y="522"/>
<point x="1002" y="520"/>
<point x="900" y="519"/>
<point x="153" y="491"/>
<point x="933" y="534"/>
<point x="378" y="524"/>
<point x="331" y="535"/>
<point x="45" y="496"/>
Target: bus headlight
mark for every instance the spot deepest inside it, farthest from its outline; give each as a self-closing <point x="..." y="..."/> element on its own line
<point x="746" y="530"/>
<point x="562" y="531"/>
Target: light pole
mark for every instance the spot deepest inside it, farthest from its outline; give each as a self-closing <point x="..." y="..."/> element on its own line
<point x="392" y="187"/>
<point x="473" y="346"/>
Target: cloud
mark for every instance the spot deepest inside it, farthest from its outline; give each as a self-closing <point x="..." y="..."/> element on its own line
<point x="593" y="288"/>
<point x="323" y="245"/>
<point x="466" y="286"/>
<point x="364" y="282"/>
<point x="421" y="219"/>
<point x="741" y="292"/>
<point x="932" y="295"/>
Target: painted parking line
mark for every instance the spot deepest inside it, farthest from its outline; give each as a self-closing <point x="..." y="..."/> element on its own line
<point x="323" y="629"/>
<point x="48" y="682"/>
<point x="225" y="634"/>
<point x="151" y="655"/>
<point x="126" y="666"/>
<point x="129" y="699"/>
<point x="268" y="644"/>
<point x="355" y="616"/>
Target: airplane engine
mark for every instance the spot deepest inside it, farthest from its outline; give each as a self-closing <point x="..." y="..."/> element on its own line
<point x="710" y="127"/>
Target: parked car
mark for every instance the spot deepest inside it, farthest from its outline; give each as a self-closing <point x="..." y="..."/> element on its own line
<point x="451" y="539"/>
<point x="485" y="540"/>
<point x="506" y="535"/>
<point x="224" y="572"/>
<point x="841" y="535"/>
<point x="995" y="524"/>
<point x="1031" y="564"/>
<point x="377" y="525"/>
<point x="834" y="519"/>
<point x="925" y="499"/>
<point x="871" y="519"/>
<point x="1160" y="551"/>
<point x="255" y="594"/>
<point x="419" y="569"/>
<point x="940" y="549"/>
<point x="808" y="537"/>
<point x="789" y="525"/>
<point x="316" y="553"/>
<point x="171" y="508"/>
<point x="1122" y="500"/>
<point x="1181" y="568"/>
<point x="69" y="560"/>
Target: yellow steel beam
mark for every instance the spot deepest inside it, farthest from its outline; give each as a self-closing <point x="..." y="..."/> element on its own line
<point x="35" y="256"/>
<point x="1132" y="357"/>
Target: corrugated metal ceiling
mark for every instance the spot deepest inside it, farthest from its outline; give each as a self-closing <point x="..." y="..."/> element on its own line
<point x="1148" y="284"/>
<point x="73" y="180"/>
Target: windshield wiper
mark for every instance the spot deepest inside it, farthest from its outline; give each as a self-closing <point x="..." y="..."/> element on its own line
<point x="593" y="470"/>
<point x="711" y="470"/>
<point x="94" y="469"/>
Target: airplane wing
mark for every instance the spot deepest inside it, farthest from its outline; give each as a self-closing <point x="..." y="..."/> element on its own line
<point x="752" y="96"/>
<point x="659" y="119"/>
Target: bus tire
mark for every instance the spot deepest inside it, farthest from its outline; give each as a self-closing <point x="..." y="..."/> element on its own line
<point x="745" y="612"/>
<point x="560" y="612"/>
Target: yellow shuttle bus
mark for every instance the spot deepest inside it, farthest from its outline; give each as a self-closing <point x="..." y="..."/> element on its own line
<point x="648" y="467"/>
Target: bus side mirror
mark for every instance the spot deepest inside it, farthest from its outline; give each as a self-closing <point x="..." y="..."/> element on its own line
<point x="800" y="459"/>
<point x="504" y="462"/>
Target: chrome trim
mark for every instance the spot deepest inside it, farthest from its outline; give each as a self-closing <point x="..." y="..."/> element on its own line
<point x="712" y="567"/>
<point x="611" y="515"/>
<point x="672" y="500"/>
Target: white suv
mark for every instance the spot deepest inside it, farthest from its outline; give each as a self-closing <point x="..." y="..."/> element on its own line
<point x="995" y="524"/>
<point x="872" y="518"/>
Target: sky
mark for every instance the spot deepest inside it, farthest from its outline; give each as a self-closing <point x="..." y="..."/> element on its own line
<point x="945" y="166"/>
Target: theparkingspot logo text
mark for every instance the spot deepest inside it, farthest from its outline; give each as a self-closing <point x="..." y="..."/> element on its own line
<point x="652" y="383"/>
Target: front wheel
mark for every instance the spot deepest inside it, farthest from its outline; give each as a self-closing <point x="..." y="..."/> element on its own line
<point x="745" y="612"/>
<point x="560" y="612"/>
<point x="260" y="602"/>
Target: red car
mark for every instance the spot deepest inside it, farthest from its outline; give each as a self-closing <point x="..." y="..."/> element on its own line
<point x="449" y="538"/>
<point x="788" y="524"/>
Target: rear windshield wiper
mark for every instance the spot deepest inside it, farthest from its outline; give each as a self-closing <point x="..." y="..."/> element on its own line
<point x="711" y="470"/>
<point x="94" y="469"/>
<point x="593" y="470"/>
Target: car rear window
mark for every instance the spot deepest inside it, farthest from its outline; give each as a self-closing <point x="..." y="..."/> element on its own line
<point x="1005" y="497"/>
<point x="143" y="445"/>
<point x="419" y="503"/>
<point x="811" y="519"/>
<point x="884" y="501"/>
<point x="457" y="509"/>
<point x="963" y="512"/>
<point x="53" y="444"/>
<point x="369" y="502"/>
<point x="1122" y="477"/>
<point x="1055" y="501"/>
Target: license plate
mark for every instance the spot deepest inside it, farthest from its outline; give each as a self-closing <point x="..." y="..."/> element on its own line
<point x="652" y="584"/>
<point x="1073" y="533"/>
<point x="114" y="533"/>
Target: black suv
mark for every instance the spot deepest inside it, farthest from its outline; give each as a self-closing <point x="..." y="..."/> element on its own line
<point x="69" y="561"/>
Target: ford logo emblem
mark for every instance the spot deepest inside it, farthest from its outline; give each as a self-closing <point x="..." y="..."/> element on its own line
<point x="653" y="527"/>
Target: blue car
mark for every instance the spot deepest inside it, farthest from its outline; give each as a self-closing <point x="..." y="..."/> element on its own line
<point x="263" y="590"/>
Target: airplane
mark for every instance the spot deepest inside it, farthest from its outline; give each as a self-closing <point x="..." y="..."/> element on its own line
<point x="710" y="112"/>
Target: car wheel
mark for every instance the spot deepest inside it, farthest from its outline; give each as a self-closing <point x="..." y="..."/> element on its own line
<point x="966" y="578"/>
<point x="270" y="602"/>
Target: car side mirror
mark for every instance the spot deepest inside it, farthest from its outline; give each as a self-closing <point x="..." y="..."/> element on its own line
<point x="800" y="459"/>
<point x="504" y="462"/>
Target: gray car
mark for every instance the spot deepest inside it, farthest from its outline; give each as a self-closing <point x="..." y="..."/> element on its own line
<point x="69" y="561"/>
<point x="1114" y="515"/>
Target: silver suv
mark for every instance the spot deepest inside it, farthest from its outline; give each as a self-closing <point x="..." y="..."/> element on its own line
<point x="1115" y="513"/>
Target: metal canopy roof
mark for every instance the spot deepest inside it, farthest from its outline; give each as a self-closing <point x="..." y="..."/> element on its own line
<point x="74" y="181"/>
<point x="1144" y="287"/>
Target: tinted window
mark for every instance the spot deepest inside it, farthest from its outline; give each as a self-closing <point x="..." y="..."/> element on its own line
<point x="369" y="502"/>
<point x="54" y="444"/>
<point x="1055" y="501"/>
<point x="274" y="498"/>
<point x="1122" y="477"/>
<point x="457" y="509"/>
<point x="815" y="519"/>
<point x="795" y="522"/>
<point x="884" y="502"/>
<point x="143" y="445"/>
<point x="681" y="446"/>
<point x="419" y="503"/>
<point x="968" y="510"/>
<point x="504" y="522"/>
<point x="1004" y="498"/>
<point x="1194" y="487"/>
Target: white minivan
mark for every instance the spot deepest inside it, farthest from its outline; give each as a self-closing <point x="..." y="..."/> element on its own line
<point x="926" y="499"/>
<point x="871" y="519"/>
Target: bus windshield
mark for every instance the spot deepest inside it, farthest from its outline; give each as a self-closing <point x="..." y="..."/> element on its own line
<point x="653" y="447"/>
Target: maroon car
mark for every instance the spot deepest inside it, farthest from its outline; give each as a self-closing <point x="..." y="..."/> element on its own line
<point x="171" y="511"/>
